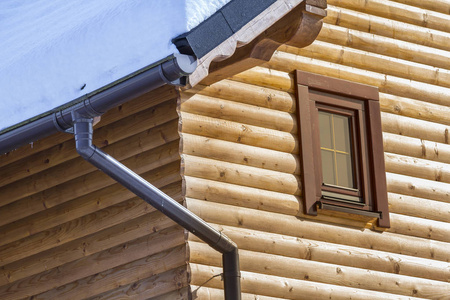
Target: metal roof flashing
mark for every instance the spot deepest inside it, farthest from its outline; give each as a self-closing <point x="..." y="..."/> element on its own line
<point x="220" y="26"/>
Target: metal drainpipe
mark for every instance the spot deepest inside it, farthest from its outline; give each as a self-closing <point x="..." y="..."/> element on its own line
<point x="83" y="132"/>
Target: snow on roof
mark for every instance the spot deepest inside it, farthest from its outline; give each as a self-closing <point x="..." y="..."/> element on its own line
<point x="54" y="51"/>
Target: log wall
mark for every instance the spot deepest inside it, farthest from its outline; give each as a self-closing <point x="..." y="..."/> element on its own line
<point x="67" y="231"/>
<point x="241" y="171"/>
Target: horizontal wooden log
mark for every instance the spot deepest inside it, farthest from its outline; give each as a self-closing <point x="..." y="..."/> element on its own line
<point x="413" y="226"/>
<point x="384" y="45"/>
<point x="435" y="5"/>
<point x="110" y="195"/>
<point x="238" y="195"/>
<point x="415" y="128"/>
<point x="418" y="187"/>
<point x="286" y="62"/>
<point x="78" y="167"/>
<point x="363" y="21"/>
<point x="241" y="154"/>
<point x="341" y="54"/>
<point x="262" y="263"/>
<point x="415" y="109"/>
<point x="145" y="140"/>
<point x="72" y="230"/>
<point x="397" y="11"/>
<point x="249" y="94"/>
<point x="72" y="210"/>
<point x="127" y="277"/>
<point x="268" y="78"/>
<point x="38" y="162"/>
<point x="151" y="221"/>
<point x="181" y="294"/>
<point x="416" y="147"/>
<point x="387" y="84"/>
<point x="238" y="112"/>
<point x="207" y="293"/>
<point x="287" y="288"/>
<point x="288" y="246"/>
<point x="239" y="133"/>
<point x="157" y="135"/>
<point x="195" y="166"/>
<point x="417" y="167"/>
<point x="293" y="226"/>
<point x="94" y="181"/>
<point x="389" y="103"/>
<point x="242" y="196"/>
<point x="391" y="123"/>
<point x="418" y="207"/>
<point x="156" y="285"/>
<point x="136" y="253"/>
<point x="148" y="100"/>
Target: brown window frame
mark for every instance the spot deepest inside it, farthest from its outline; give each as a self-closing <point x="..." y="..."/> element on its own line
<point x="338" y="96"/>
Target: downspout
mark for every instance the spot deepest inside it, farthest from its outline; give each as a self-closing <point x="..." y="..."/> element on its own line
<point x="78" y="119"/>
<point x="83" y="131"/>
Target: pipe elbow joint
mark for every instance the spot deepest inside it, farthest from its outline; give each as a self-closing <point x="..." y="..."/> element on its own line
<point x="86" y="151"/>
<point x="83" y="131"/>
<point x="226" y="244"/>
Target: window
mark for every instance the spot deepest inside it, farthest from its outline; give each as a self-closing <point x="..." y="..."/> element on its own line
<point x="341" y="147"/>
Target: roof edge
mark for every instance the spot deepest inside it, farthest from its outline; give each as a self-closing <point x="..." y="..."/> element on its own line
<point x="220" y="26"/>
<point x="292" y="22"/>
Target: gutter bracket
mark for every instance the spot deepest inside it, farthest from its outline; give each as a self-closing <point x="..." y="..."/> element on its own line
<point x="67" y="128"/>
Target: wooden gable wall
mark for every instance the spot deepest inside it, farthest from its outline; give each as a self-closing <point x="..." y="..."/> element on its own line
<point x="241" y="171"/>
<point x="67" y="231"/>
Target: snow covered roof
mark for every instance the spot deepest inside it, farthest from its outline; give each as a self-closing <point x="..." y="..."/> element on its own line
<point x="86" y="57"/>
<point x="54" y="51"/>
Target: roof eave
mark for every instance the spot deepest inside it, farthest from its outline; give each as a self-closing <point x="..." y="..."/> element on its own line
<point x="292" y="22"/>
<point x="248" y="41"/>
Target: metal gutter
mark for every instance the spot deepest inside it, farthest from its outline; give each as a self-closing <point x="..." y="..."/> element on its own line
<point x="172" y="71"/>
<point x="83" y="132"/>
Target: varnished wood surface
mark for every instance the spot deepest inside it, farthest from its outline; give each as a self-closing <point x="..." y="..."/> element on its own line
<point x="240" y="158"/>
<point x="70" y="232"/>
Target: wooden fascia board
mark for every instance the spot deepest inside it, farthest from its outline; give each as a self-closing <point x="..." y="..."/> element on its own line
<point x="293" y="22"/>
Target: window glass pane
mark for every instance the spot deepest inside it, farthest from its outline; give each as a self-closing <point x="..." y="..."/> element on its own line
<point x="344" y="170"/>
<point x="342" y="133"/>
<point x="328" y="167"/>
<point x="335" y="145"/>
<point x="325" y="129"/>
